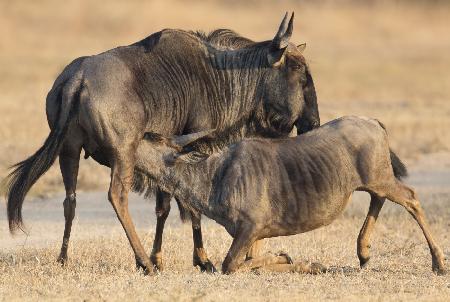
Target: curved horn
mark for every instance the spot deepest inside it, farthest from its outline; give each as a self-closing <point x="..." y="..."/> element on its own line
<point x="183" y="140"/>
<point x="284" y="33"/>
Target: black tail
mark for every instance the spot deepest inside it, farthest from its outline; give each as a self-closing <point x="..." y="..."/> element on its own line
<point x="27" y="172"/>
<point x="398" y="166"/>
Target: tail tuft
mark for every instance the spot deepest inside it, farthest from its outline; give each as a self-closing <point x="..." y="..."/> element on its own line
<point x="24" y="175"/>
<point x="398" y="166"/>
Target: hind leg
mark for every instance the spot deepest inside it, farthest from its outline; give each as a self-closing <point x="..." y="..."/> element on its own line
<point x="405" y="196"/>
<point x="363" y="243"/>
<point x="200" y="258"/>
<point x="162" y="212"/>
<point x="69" y="160"/>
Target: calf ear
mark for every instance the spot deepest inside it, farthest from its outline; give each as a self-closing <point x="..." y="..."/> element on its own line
<point x="192" y="157"/>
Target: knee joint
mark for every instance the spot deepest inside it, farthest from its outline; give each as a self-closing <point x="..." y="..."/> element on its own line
<point x="162" y="211"/>
<point x="70" y="204"/>
<point x="71" y="197"/>
<point x="70" y="200"/>
<point x="414" y="206"/>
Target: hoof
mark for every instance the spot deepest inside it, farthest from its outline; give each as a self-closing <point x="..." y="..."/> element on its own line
<point x="147" y="270"/>
<point x="141" y="268"/>
<point x="363" y="262"/>
<point x="206" y="266"/>
<point x="62" y="259"/>
<point x="156" y="260"/>
<point x="288" y="258"/>
<point x="440" y="271"/>
<point x="157" y="268"/>
<point x="150" y="272"/>
<point x="438" y="265"/>
<point x="317" y="268"/>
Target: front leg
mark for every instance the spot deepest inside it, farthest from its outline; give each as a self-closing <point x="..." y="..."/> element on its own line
<point x="162" y="212"/>
<point x="200" y="258"/>
<point x="243" y="239"/>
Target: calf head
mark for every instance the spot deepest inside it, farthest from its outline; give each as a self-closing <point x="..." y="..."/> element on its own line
<point x="166" y="152"/>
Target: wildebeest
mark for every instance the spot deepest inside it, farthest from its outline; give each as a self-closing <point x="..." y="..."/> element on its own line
<point x="172" y="82"/>
<point x="260" y="188"/>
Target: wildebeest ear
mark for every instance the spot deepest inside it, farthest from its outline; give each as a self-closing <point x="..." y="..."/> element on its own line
<point x="281" y="39"/>
<point x="301" y="47"/>
<point x="192" y="157"/>
<point x="276" y="58"/>
<point x="280" y="42"/>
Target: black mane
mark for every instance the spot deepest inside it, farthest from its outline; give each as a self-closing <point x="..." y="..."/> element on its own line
<point x="223" y="38"/>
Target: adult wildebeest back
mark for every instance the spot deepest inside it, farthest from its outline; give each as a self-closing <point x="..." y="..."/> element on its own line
<point x="261" y="188"/>
<point x="172" y="82"/>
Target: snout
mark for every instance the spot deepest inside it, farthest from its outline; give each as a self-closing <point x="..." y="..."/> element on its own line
<point x="305" y="126"/>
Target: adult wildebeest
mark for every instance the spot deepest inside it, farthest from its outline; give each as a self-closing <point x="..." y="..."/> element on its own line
<point x="261" y="188"/>
<point x="172" y="82"/>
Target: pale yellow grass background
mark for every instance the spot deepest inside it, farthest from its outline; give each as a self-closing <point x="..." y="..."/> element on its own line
<point x="389" y="61"/>
<point x="385" y="59"/>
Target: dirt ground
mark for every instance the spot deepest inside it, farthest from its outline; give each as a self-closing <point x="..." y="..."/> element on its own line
<point x="101" y="265"/>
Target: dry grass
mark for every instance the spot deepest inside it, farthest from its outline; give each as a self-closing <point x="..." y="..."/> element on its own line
<point x="101" y="263"/>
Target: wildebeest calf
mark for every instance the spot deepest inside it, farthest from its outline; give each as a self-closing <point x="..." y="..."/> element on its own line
<point x="261" y="188"/>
